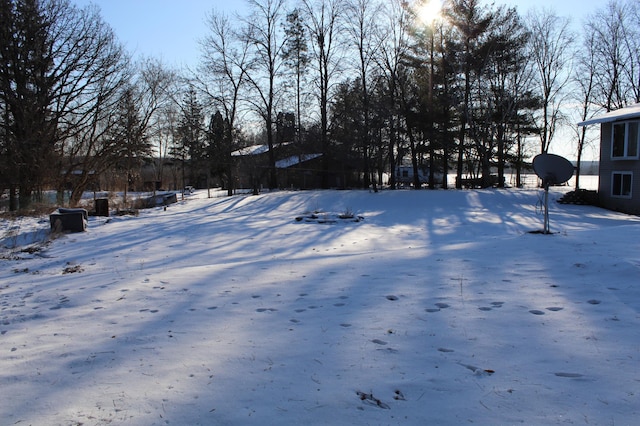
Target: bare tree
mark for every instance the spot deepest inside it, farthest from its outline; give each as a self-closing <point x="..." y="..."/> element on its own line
<point x="263" y="34"/>
<point x="122" y="93"/>
<point x="617" y="49"/>
<point x="164" y="133"/>
<point x="362" y="18"/>
<point x="584" y="79"/>
<point x="393" y="42"/>
<point x="225" y="57"/>
<point x="321" y="17"/>
<point x="551" y="49"/>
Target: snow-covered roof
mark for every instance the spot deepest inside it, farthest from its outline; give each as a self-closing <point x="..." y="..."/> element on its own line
<point x="631" y="111"/>
<point x="256" y="149"/>
<point x="251" y="150"/>
<point x="295" y="159"/>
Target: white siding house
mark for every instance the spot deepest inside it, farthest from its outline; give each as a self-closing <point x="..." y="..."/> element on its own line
<point x="619" y="175"/>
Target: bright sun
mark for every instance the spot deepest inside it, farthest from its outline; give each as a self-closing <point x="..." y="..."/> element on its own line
<point x="429" y="11"/>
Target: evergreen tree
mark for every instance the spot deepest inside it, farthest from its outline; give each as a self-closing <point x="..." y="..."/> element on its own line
<point x="26" y="91"/>
<point x="296" y="57"/>
<point x="219" y="150"/>
<point x="470" y="22"/>
<point x="191" y="136"/>
<point x="130" y="134"/>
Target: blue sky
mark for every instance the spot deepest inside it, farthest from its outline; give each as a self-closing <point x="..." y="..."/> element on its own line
<point x="170" y="29"/>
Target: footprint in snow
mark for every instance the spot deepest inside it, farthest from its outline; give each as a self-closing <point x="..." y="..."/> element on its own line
<point x="438" y="308"/>
<point x="593" y="302"/>
<point x="569" y="375"/>
<point x="266" y="310"/>
<point x="554" y="308"/>
<point x="536" y="312"/>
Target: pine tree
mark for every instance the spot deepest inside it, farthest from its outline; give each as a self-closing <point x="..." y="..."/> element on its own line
<point x="296" y="57"/>
<point x="130" y="135"/>
<point x="191" y="135"/>
<point x="26" y="93"/>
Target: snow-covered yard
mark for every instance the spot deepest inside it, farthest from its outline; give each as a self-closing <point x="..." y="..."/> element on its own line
<point x="438" y="308"/>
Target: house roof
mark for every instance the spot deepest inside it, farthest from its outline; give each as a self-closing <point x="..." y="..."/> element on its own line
<point x="295" y="160"/>
<point x="251" y="150"/>
<point x="255" y="149"/>
<point x="631" y="111"/>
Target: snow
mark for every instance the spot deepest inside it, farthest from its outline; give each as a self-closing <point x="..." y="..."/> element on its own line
<point x="439" y="307"/>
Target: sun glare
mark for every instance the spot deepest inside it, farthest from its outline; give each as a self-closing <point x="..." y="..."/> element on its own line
<point x="429" y="11"/>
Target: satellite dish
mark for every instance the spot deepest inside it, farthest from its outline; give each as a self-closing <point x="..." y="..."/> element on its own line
<point x="553" y="170"/>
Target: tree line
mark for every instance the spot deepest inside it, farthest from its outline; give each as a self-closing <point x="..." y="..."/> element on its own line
<point x="369" y="83"/>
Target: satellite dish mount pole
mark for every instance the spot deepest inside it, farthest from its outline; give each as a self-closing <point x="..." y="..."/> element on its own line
<point x="553" y="170"/>
<point x="545" y="183"/>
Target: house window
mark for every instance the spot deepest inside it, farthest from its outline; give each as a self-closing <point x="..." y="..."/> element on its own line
<point x="624" y="141"/>
<point x="621" y="184"/>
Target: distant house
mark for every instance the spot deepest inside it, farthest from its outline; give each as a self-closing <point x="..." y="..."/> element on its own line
<point x="404" y="174"/>
<point x="619" y="175"/>
<point x="293" y="170"/>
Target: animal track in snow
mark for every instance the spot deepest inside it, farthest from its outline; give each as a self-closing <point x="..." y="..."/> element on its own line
<point x="493" y="305"/>
<point x="569" y="375"/>
<point x="439" y="306"/>
<point x="266" y="310"/>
